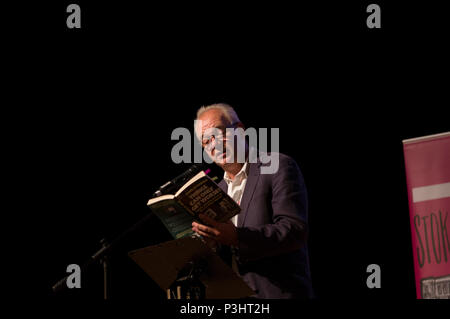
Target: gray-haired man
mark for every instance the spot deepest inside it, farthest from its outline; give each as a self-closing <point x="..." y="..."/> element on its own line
<point x="268" y="237"/>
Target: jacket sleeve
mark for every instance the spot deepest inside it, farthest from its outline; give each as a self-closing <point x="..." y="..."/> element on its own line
<point x="288" y="230"/>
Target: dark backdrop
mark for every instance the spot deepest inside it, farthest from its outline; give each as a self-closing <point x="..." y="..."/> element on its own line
<point x="96" y="108"/>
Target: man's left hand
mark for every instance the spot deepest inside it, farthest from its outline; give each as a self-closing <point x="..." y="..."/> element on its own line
<point x="224" y="233"/>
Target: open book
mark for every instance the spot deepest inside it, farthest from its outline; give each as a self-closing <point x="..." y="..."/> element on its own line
<point x="200" y="195"/>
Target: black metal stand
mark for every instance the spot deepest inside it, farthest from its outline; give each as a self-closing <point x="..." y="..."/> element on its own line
<point x="106" y="273"/>
<point x="188" y="285"/>
<point x="102" y="256"/>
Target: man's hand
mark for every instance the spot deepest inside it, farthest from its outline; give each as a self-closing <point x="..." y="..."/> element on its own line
<point x="224" y="233"/>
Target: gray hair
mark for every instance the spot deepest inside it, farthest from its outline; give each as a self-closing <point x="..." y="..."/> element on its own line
<point x="227" y="111"/>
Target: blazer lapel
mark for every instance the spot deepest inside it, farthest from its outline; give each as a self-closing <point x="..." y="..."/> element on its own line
<point x="252" y="180"/>
<point x="223" y="185"/>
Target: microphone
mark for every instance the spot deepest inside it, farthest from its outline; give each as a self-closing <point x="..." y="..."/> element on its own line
<point x="178" y="181"/>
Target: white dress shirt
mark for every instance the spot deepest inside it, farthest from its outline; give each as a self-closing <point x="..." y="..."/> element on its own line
<point x="236" y="187"/>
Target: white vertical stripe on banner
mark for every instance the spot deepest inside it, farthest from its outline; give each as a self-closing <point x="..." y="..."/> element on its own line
<point x="436" y="191"/>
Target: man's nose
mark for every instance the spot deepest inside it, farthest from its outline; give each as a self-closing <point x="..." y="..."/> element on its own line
<point x="216" y="144"/>
<point x="211" y="145"/>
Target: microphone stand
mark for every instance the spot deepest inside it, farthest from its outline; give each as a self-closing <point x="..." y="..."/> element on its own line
<point x="102" y="254"/>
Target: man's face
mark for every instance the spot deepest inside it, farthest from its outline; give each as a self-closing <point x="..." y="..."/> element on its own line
<point x="213" y="135"/>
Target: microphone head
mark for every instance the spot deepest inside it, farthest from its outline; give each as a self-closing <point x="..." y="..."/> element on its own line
<point x="173" y="185"/>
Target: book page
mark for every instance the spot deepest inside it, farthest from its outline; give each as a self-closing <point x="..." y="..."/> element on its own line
<point x="191" y="181"/>
<point x="160" y="198"/>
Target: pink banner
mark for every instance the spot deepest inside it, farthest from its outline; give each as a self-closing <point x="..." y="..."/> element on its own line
<point x="427" y="163"/>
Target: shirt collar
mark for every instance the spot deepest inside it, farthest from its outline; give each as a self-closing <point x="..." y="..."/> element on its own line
<point x="243" y="172"/>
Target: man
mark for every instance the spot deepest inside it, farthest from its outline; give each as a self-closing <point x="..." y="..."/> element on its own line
<point x="268" y="237"/>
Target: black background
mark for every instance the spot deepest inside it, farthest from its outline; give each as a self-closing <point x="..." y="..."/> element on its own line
<point x="93" y="110"/>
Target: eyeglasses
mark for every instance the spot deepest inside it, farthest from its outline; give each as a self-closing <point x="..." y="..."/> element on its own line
<point x="219" y="133"/>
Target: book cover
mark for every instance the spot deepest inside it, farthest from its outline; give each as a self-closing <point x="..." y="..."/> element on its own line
<point x="200" y="195"/>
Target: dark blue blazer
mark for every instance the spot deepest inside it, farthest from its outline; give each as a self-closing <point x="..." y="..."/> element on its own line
<point x="272" y="231"/>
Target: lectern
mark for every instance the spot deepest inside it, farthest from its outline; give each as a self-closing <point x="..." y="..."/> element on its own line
<point x="187" y="268"/>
